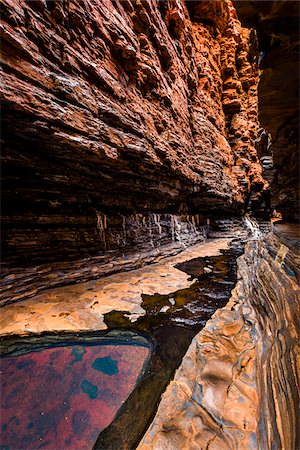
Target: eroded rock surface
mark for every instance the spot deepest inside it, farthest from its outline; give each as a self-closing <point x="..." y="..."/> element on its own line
<point x="237" y="386"/>
<point x="140" y="239"/>
<point x="83" y="306"/>
<point x="122" y="107"/>
<point x="126" y="125"/>
<point x="277" y="24"/>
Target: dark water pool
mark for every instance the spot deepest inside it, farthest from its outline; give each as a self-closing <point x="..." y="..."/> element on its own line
<point x="172" y="321"/>
<point x="86" y="396"/>
<point x="63" y="397"/>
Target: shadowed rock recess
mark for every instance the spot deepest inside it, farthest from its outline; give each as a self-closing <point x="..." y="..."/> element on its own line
<point x="277" y="25"/>
<point x="133" y="131"/>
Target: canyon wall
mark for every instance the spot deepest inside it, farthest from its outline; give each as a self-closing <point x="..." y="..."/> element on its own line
<point x="277" y="25"/>
<point x="237" y="386"/>
<point x="112" y="109"/>
<point x="127" y="126"/>
<point x="129" y="242"/>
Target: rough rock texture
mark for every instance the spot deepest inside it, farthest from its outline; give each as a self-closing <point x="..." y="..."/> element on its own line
<point x="143" y="239"/>
<point x="109" y="232"/>
<point x="237" y="386"/>
<point x="82" y="306"/>
<point x="277" y="24"/>
<point x="122" y="107"/>
<point x="136" y="240"/>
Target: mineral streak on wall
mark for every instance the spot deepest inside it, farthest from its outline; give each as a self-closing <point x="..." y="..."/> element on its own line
<point x="120" y="108"/>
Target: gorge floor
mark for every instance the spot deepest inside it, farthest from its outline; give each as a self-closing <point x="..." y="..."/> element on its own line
<point x="167" y="326"/>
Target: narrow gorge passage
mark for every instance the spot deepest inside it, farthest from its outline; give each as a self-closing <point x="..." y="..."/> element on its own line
<point x="169" y="321"/>
<point x="150" y="248"/>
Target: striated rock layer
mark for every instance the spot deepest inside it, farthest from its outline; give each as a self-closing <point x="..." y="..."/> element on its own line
<point x="277" y="25"/>
<point x="118" y="108"/>
<point x="238" y="386"/>
<point x="82" y="306"/>
<point x="141" y="239"/>
<point x="130" y="242"/>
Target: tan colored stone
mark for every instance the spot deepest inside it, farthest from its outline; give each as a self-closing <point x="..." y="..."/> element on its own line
<point x="237" y="386"/>
<point x="82" y="306"/>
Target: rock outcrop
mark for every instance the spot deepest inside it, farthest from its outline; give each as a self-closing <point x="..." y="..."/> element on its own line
<point x="120" y="108"/>
<point x="237" y="386"/>
<point x="277" y="25"/>
<point x="129" y="242"/>
<point x="128" y="125"/>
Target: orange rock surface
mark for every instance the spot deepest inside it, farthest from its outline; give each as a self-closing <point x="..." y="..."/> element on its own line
<point x="126" y="106"/>
<point x="237" y="386"/>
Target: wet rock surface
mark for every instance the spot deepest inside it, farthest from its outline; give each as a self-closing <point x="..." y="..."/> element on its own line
<point x="131" y="242"/>
<point x="82" y="306"/>
<point x="237" y="384"/>
<point x="170" y="320"/>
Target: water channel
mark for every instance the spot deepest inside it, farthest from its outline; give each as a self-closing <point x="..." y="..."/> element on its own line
<point x="101" y="389"/>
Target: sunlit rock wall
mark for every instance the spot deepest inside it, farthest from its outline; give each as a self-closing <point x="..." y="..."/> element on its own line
<point x="277" y="25"/>
<point x="237" y="386"/>
<point x="123" y="107"/>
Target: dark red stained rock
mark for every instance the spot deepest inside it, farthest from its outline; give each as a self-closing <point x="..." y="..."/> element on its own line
<point x="64" y="397"/>
<point x="122" y="107"/>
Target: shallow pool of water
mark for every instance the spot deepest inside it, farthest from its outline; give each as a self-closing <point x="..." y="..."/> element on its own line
<point x="63" y="397"/>
<point x="98" y="383"/>
<point x="171" y="321"/>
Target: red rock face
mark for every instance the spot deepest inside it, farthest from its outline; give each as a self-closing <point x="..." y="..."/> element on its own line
<point x="123" y="106"/>
<point x="277" y="24"/>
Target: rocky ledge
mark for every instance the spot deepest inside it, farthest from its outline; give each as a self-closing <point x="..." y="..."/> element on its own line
<point x="82" y="306"/>
<point x="134" y="242"/>
<point x="129" y="242"/>
<point x="237" y="386"/>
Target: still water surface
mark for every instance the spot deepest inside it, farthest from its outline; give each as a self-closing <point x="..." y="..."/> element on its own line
<point x="63" y="397"/>
<point x="74" y="397"/>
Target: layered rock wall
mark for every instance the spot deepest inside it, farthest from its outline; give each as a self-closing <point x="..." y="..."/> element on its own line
<point x="277" y="25"/>
<point x="108" y="232"/>
<point x="238" y="386"/>
<point x="124" y="107"/>
<point x="129" y="242"/>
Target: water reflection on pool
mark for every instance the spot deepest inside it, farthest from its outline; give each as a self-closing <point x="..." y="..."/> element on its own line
<point x="63" y="397"/>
